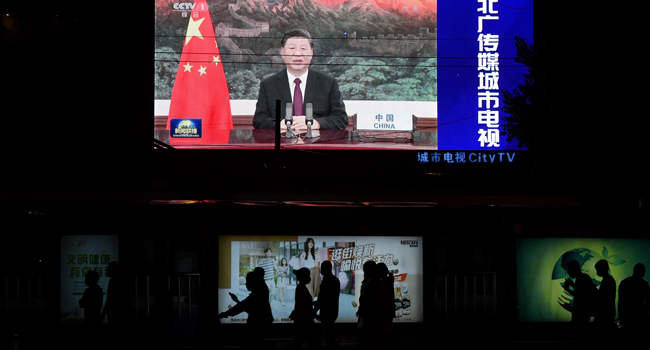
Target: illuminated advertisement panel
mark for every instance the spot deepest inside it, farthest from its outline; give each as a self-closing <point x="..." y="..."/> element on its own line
<point x="81" y="254"/>
<point x="399" y="74"/>
<point x="542" y="272"/>
<point x="282" y="255"/>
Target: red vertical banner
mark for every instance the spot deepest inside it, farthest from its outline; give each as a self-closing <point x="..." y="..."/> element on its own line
<point x="200" y="89"/>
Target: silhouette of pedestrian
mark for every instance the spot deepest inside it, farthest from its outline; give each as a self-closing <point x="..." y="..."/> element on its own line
<point x="605" y="306"/>
<point x="384" y="334"/>
<point x="117" y="308"/>
<point x="303" y="313"/>
<point x="259" y="272"/>
<point x="582" y="291"/>
<point x="634" y="304"/>
<point x="161" y="314"/>
<point x="91" y="302"/>
<point x="258" y="308"/>
<point x="367" y="299"/>
<point x="328" y="303"/>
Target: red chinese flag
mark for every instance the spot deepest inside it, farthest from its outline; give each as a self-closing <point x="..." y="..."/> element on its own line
<point x="200" y="90"/>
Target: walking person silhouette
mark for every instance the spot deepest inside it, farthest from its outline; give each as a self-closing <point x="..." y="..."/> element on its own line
<point x="328" y="303"/>
<point x="605" y="306"/>
<point x="303" y="313"/>
<point x="582" y="290"/>
<point x="634" y="304"/>
<point x="91" y="302"/>
<point x="367" y="299"/>
<point x="258" y="308"/>
<point x="117" y="308"/>
<point x="384" y="334"/>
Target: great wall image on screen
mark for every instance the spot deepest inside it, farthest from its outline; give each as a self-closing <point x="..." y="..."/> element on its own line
<point x="376" y="49"/>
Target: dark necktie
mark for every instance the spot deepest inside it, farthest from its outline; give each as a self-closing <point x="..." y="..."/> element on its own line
<point x="297" y="98"/>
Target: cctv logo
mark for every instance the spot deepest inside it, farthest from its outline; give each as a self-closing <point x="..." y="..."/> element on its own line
<point x="188" y="6"/>
<point x="183" y="6"/>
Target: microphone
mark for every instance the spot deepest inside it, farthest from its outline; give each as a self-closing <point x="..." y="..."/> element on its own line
<point x="289" y="114"/>
<point x="309" y="120"/>
<point x="288" y="117"/>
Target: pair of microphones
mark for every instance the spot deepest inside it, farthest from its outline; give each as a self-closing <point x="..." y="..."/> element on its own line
<point x="309" y="120"/>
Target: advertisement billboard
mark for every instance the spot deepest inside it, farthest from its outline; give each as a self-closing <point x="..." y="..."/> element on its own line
<point x="239" y="255"/>
<point x="542" y="271"/>
<point x="81" y="254"/>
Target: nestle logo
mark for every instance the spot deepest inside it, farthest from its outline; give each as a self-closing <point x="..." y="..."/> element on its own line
<point x="410" y="242"/>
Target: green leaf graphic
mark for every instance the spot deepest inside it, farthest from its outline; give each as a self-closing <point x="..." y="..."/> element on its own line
<point x="615" y="260"/>
<point x="605" y="252"/>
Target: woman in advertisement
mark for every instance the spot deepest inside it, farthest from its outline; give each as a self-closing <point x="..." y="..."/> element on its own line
<point x="283" y="279"/>
<point x="308" y="258"/>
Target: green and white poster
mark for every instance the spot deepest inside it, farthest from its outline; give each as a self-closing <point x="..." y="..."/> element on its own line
<point x="542" y="269"/>
<point x="79" y="255"/>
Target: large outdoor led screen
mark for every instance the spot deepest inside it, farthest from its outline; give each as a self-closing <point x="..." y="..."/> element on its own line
<point x="239" y="255"/>
<point x="436" y="67"/>
<point x="542" y="269"/>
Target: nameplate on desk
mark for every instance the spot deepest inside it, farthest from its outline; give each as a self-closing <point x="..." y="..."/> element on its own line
<point x="185" y="128"/>
<point x="388" y="121"/>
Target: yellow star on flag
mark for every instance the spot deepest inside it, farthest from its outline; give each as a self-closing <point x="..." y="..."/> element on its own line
<point x="187" y="67"/>
<point x="202" y="70"/>
<point x="193" y="30"/>
<point x="216" y="60"/>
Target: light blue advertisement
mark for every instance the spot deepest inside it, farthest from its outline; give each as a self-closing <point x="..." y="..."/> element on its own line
<point x="81" y="254"/>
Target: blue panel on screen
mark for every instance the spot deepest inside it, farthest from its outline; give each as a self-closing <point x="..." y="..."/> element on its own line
<point x="458" y="82"/>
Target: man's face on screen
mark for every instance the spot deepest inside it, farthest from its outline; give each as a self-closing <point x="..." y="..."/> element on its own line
<point x="297" y="54"/>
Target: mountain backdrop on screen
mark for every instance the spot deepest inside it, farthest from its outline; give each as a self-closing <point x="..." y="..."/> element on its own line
<point x="376" y="50"/>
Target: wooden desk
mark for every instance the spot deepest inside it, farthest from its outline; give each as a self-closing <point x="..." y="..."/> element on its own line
<point x="243" y="136"/>
<point x="238" y="122"/>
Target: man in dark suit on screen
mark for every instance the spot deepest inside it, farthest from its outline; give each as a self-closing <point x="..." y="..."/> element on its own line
<point x="299" y="85"/>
